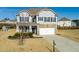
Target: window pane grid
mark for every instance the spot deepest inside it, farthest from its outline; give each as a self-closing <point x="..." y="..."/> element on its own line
<point x="24" y="19"/>
<point x="40" y="18"/>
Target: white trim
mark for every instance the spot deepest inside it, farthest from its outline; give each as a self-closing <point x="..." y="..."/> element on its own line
<point x="30" y="19"/>
<point x="30" y="28"/>
<point x="17" y="29"/>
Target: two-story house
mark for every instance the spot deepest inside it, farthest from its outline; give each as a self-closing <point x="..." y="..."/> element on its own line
<point x="41" y="21"/>
<point x="65" y="22"/>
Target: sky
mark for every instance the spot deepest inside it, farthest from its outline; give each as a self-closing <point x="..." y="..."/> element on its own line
<point x="69" y="12"/>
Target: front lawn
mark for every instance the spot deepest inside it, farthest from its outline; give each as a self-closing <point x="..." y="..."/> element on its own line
<point x="30" y="44"/>
<point x="72" y="34"/>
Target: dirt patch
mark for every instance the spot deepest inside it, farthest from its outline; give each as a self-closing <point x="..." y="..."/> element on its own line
<point x="30" y="44"/>
<point x="72" y="34"/>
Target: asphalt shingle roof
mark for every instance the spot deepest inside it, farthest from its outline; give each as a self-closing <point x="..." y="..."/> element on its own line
<point x="64" y="19"/>
<point x="34" y="11"/>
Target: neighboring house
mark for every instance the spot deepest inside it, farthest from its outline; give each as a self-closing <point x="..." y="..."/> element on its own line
<point x="41" y="21"/>
<point x="76" y="21"/>
<point x="6" y="24"/>
<point x="5" y="28"/>
<point x="65" y="22"/>
<point x="7" y="21"/>
<point x="11" y="21"/>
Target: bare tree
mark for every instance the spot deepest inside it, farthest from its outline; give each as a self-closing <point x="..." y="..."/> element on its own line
<point x="21" y="38"/>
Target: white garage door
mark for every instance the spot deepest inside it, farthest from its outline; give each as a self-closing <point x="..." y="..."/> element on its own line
<point x="46" y="31"/>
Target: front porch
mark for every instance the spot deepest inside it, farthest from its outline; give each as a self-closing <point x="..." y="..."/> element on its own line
<point x="32" y="29"/>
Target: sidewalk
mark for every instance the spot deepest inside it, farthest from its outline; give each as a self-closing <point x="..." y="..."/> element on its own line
<point x="63" y="44"/>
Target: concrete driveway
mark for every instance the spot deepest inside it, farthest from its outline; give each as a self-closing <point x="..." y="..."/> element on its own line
<point x="63" y="44"/>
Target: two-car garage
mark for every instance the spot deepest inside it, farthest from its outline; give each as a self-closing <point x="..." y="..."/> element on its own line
<point x="46" y="31"/>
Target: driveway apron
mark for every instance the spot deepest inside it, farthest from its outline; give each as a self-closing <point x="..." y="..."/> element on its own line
<point x="63" y="44"/>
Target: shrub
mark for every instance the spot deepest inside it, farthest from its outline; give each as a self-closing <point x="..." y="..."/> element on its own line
<point x="30" y="34"/>
<point x="27" y="35"/>
<point x="24" y="35"/>
<point x="11" y="37"/>
<point x="16" y="35"/>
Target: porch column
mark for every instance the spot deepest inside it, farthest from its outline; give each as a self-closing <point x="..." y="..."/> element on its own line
<point x="43" y="19"/>
<point x="36" y="19"/>
<point x="17" y="28"/>
<point x="30" y="19"/>
<point x="27" y="28"/>
<point x="30" y="28"/>
<point x="37" y="30"/>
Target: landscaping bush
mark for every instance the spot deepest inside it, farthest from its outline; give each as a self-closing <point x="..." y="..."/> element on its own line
<point x="30" y="34"/>
<point x="24" y="35"/>
<point x="27" y="35"/>
<point x="11" y="37"/>
<point x="16" y="35"/>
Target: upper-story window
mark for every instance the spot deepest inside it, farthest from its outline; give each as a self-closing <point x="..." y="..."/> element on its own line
<point x="21" y="19"/>
<point x="46" y="19"/>
<point x="53" y="19"/>
<point x="27" y="19"/>
<point x="24" y="19"/>
<point x="49" y="19"/>
<point x="40" y="18"/>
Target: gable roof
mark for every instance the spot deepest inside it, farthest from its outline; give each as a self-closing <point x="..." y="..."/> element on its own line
<point x="64" y="19"/>
<point x="35" y="11"/>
